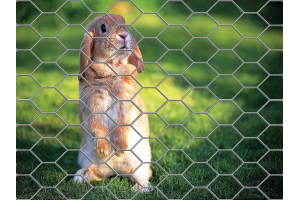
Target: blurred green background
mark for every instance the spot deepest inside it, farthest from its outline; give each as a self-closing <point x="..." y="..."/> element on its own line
<point x="219" y="67"/>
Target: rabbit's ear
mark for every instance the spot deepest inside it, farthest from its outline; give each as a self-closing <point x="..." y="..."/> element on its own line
<point x="86" y="45"/>
<point x="137" y="62"/>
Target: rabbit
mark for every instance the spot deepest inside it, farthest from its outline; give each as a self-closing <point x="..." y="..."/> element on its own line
<point x="102" y="97"/>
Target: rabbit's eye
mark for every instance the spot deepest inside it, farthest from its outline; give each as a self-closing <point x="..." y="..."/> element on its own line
<point x="103" y="28"/>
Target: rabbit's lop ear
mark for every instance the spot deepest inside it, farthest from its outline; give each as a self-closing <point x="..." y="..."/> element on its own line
<point x="86" y="47"/>
<point x="137" y="62"/>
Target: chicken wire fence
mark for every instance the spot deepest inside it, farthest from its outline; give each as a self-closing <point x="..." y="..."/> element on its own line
<point x="212" y="87"/>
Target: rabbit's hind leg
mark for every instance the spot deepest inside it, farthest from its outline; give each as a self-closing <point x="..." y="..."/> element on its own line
<point x="142" y="176"/>
<point x="87" y="174"/>
<point x="95" y="172"/>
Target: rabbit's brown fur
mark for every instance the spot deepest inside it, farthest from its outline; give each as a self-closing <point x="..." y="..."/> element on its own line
<point x="100" y="100"/>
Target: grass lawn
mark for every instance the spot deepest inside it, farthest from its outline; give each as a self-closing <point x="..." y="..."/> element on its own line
<point x="214" y="143"/>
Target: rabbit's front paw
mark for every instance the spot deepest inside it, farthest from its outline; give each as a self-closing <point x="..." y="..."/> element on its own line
<point x="121" y="146"/>
<point x="102" y="147"/>
<point x="120" y="139"/>
<point x="119" y="153"/>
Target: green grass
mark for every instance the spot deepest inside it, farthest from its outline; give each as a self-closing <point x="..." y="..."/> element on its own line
<point x="174" y="112"/>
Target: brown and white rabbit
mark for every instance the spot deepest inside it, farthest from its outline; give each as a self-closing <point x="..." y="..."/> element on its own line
<point x="100" y="100"/>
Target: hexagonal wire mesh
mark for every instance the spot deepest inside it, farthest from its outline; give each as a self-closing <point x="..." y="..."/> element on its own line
<point x="212" y="88"/>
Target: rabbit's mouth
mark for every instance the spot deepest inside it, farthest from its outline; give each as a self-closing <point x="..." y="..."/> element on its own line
<point x="124" y="47"/>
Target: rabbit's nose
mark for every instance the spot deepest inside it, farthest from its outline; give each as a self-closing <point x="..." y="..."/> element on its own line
<point x="123" y="35"/>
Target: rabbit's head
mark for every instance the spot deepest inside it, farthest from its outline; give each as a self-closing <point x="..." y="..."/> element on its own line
<point x="108" y="40"/>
